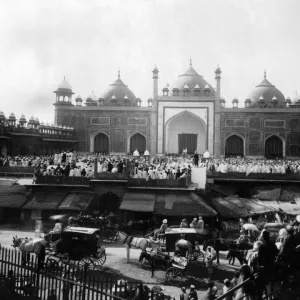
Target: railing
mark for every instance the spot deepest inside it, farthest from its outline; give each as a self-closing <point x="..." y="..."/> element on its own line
<point x="183" y="182"/>
<point x="111" y="176"/>
<point x="243" y="175"/>
<point x="73" y="180"/>
<point x="61" y="281"/>
<point x="18" y="170"/>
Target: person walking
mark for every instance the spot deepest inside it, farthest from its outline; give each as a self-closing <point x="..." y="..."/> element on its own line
<point x="184" y="295"/>
<point x="217" y="246"/>
<point x="192" y="293"/>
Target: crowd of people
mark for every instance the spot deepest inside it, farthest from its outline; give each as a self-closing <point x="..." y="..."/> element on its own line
<point x="253" y="165"/>
<point x="147" y="167"/>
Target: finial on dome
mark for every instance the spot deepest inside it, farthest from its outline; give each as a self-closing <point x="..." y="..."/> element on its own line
<point x="265" y="74"/>
<point x="191" y="61"/>
<point x="119" y="74"/>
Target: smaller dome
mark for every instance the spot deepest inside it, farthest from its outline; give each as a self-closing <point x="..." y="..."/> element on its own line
<point x="218" y="70"/>
<point x="92" y="96"/>
<point x="12" y="116"/>
<point x="37" y="120"/>
<point x="2" y="115"/>
<point x="60" y="127"/>
<point x="42" y="124"/>
<point x="64" y="86"/>
<point x="78" y="98"/>
<point x="32" y="120"/>
<point x="47" y="124"/>
<point x="22" y="118"/>
<point x="261" y="98"/>
<point x="64" y="127"/>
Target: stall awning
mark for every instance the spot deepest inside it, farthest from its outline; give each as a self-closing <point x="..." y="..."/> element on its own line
<point x="187" y="204"/>
<point x="78" y="201"/>
<point x="289" y="208"/>
<point x="12" y="200"/>
<point x="44" y="201"/>
<point x="235" y="207"/>
<point x="138" y="202"/>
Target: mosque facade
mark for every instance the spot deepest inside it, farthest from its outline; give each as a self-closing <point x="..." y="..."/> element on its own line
<point x="189" y="114"/>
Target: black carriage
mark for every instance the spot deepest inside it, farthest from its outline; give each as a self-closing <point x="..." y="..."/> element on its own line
<point x="82" y="245"/>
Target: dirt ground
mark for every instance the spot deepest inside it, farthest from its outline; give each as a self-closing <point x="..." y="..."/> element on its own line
<point x="116" y="267"/>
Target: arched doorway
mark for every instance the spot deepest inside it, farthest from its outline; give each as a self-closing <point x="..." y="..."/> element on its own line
<point x="234" y="146"/>
<point x="101" y="143"/>
<point x="273" y="147"/>
<point x="138" y="141"/>
<point x="185" y="130"/>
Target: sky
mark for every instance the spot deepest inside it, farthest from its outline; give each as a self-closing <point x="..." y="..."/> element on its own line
<point x="89" y="41"/>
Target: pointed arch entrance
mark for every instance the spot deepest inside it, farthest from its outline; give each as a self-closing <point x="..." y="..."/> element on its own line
<point x="274" y="147"/>
<point x="185" y="130"/>
<point x="101" y="143"/>
<point x="234" y="146"/>
<point x="138" y="141"/>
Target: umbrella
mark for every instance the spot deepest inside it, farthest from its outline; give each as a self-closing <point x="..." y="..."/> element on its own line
<point x="58" y="217"/>
<point x="298" y="218"/>
<point x="250" y="227"/>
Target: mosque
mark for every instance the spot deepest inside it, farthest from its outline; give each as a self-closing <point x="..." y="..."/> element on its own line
<point x="188" y="114"/>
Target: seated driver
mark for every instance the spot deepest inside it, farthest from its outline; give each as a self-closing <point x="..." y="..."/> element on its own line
<point x="162" y="229"/>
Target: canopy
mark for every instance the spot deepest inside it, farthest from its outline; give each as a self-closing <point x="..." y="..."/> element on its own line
<point x="44" y="201"/>
<point x="184" y="204"/>
<point x="286" y="207"/>
<point x="138" y="202"/>
<point x="235" y="207"/>
<point x="78" y="201"/>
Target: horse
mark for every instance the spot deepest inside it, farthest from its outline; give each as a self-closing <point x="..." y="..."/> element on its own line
<point x="160" y="259"/>
<point x="234" y="253"/>
<point x="138" y="243"/>
<point x="26" y="246"/>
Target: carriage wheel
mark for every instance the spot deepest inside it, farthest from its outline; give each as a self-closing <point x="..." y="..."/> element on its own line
<point x="64" y="257"/>
<point x="173" y="276"/>
<point x="86" y="261"/>
<point x="108" y="236"/>
<point x="99" y="261"/>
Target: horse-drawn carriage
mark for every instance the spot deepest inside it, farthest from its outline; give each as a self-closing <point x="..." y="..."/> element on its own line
<point x="79" y="244"/>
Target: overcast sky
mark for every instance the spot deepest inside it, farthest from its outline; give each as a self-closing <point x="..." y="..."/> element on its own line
<point x="88" y="41"/>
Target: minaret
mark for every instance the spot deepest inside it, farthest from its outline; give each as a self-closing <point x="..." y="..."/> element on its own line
<point x="218" y="80"/>
<point x="155" y="82"/>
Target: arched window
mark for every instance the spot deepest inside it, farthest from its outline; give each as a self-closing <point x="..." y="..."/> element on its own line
<point x="273" y="147"/>
<point x="234" y="146"/>
<point x="101" y="144"/>
<point x="138" y="141"/>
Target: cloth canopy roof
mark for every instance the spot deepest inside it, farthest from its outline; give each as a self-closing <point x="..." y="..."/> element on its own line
<point x="78" y="201"/>
<point x="187" y="204"/>
<point x="138" y="202"/>
<point x="235" y="207"/>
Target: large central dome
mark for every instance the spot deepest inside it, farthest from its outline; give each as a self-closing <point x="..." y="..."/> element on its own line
<point x="118" y="94"/>
<point x="266" y="95"/>
<point x="191" y="81"/>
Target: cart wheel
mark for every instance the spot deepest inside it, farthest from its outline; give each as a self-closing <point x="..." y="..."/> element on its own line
<point x="99" y="261"/>
<point x="86" y="261"/>
<point x="108" y="236"/>
<point x="174" y="276"/>
<point x="64" y="257"/>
